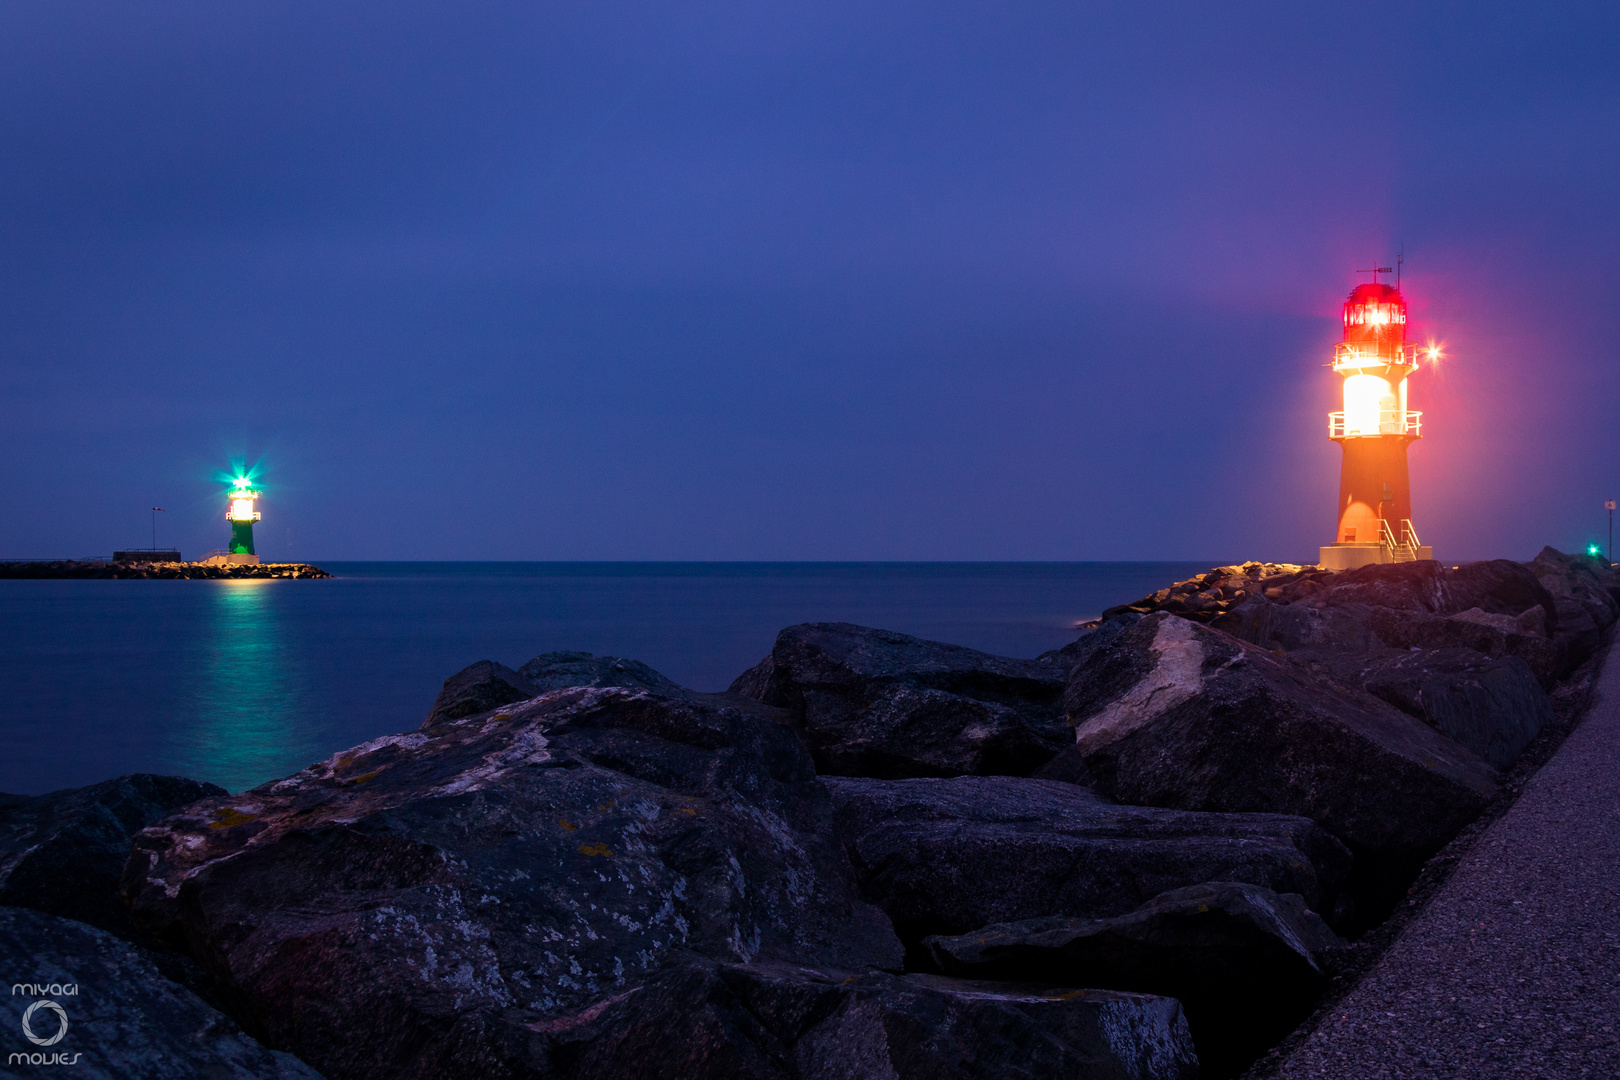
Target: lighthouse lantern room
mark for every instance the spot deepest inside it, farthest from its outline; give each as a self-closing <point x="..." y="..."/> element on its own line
<point x="1374" y="428"/>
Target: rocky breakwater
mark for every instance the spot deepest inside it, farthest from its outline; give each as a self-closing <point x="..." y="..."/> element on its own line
<point x="597" y="881"/>
<point x="1137" y="856"/>
<point x="150" y="571"/>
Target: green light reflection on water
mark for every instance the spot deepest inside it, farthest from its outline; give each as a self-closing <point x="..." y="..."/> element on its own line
<point x="246" y="725"/>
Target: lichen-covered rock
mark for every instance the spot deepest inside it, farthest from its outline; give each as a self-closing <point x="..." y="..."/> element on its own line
<point x="493" y="875"/>
<point x="124" y="1020"/>
<point x="948" y="856"/>
<point x="1243" y="961"/>
<point x="63" y="852"/>
<point x="1179" y="715"/>
<point x="882" y="704"/>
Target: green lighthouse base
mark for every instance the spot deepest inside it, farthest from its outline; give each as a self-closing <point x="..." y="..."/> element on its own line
<point x="240" y="553"/>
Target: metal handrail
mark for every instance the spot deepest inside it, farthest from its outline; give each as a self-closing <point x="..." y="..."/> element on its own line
<point x="1409" y="423"/>
<point x="1410" y="533"/>
<point x="1361" y="355"/>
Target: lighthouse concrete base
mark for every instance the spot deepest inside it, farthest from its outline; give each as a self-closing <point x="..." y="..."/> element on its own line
<point x="1350" y="556"/>
<point x="231" y="560"/>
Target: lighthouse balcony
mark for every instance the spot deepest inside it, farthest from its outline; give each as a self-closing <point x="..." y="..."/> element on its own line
<point x="1390" y="422"/>
<point x="1360" y="355"/>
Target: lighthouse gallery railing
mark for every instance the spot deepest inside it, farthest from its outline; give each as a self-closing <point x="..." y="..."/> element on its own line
<point x="1390" y="422"/>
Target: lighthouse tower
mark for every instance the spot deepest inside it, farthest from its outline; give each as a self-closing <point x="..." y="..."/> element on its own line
<point x="1374" y="428"/>
<point x="242" y="515"/>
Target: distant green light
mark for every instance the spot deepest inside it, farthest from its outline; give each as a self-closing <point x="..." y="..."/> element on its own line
<point x="1593" y="549"/>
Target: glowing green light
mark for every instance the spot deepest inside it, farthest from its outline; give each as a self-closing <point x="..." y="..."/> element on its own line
<point x="1593" y="549"/>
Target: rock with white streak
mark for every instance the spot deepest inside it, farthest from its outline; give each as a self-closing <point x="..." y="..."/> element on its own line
<point x="480" y="882"/>
<point x="1179" y="715"/>
<point x="62" y="853"/>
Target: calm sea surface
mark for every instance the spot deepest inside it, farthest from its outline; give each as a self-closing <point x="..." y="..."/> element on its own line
<point x="239" y="682"/>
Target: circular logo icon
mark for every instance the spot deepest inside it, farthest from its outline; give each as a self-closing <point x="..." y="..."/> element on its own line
<point x="61" y="1019"/>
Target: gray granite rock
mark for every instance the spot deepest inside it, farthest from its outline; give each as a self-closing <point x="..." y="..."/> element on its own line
<point x="62" y="853"/>
<point x="781" y="1022"/>
<point x="949" y="856"/>
<point x="1493" y="705"/>
<point x="1179" y="715"/>
<point x="881" y="704"/>
<point x="504" y="872"/>
<point x="123" y="1019"/>
<point x="478" y="688"/>
<point x="1244" y="962"/>
<point x="488" y="685"/>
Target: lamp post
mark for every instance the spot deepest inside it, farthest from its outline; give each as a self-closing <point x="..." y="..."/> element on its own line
<point x="1609" y="506"/>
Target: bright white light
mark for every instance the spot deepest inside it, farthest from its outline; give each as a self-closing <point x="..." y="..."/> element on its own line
<point x="242" y="509"/>
<point x="1366" y="399"/>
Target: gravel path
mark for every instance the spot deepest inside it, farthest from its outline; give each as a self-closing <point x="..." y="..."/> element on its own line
<point x="1513" y="968"/>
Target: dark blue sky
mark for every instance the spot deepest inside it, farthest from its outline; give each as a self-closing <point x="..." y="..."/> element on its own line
<point x="821" y="280"/>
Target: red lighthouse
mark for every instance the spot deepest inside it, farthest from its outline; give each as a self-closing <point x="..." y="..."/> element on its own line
<point x="1374" y="428"/>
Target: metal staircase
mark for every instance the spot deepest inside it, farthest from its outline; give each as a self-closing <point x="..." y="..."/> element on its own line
<point x="1403" y="549"/>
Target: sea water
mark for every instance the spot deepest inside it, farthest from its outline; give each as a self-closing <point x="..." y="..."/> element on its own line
<point x="239" y="682"/>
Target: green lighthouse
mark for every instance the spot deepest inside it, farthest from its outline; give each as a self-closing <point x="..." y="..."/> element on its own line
<point x="242" y="515"/>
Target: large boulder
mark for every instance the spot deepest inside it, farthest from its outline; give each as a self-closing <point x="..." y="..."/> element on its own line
<point x="119" y="1018"/>
<point x="1179" y="715"/>
<point x="488" y="685"/>
<point x="478" y="688"/>
<point x="1549" y="613"/>
<point x="1523" y="638"/>
<point x="1243" y="961"/>
<point x="487" y="878"/>
<point x="882" y="704"/>
<point x="1318" y="626"/>
<point x="949" y="856"/>
<point x="1496" y="586"/>
<point x="559" y="670"/>
<point x="1590" y="582"/>
<point x="1582" y="596"/>
<point x="1493" y="705"/>
<point x="1209" y="595"/>
<point x="782" y="1022"/>
<point x="63" y="852"/>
